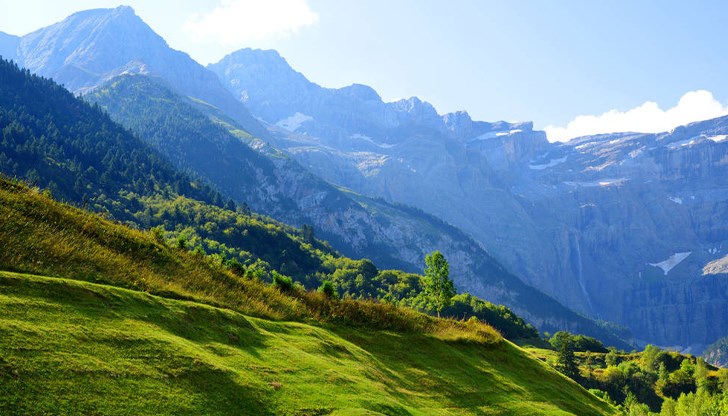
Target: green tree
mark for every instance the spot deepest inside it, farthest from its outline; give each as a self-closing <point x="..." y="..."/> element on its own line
<point x="611" y="358"/>
<point x="651" y="358"/>
<point x="307" y="233"/>
<point x="328" y="289"/>
<point x="439" y="289"/>
<point x="701" y="374"/>
<point x="566" y="361"/>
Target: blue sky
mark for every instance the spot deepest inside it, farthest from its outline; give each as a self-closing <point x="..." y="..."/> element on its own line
<point x="620" y="65"/>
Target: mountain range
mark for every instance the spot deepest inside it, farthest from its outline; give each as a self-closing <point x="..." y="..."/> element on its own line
<point x="625" y="227"/>
<point x="629" y="227"/>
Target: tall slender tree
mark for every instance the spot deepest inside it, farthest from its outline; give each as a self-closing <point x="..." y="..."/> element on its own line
<point x="439" y="289"/>
<point x="566" y="361"/>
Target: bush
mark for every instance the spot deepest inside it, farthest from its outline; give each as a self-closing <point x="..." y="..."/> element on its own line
<point x="158" y="233"/>
<point x="283" y="283"/>
<point x="235" y="266"/>
<point x="328" y="289"/>
<point x="181" y="242"/>
<point x="581" y="343"/>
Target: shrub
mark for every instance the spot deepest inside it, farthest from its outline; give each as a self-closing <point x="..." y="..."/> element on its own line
<point x="235" y="266"/>
<point x="283" y="283"/>
<point x="328" y="289"/>
<point x="181" y="242"/>
<point x="158" y="234"/>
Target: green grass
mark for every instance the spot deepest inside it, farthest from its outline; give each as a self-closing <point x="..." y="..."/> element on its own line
<point x="99" y="318"/>
<point x="71" y="347"/>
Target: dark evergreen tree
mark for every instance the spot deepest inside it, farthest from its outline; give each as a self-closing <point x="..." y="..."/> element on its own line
<point x="566" y="362"/>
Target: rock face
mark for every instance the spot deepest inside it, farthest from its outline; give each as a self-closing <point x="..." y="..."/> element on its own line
<point x="88" y="48"/>
<point x="717" y="353"/>
<point x="619" y="227"/>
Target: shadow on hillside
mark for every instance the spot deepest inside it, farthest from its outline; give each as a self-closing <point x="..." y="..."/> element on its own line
<point x="192" y="321"/>
<point x="468" y="375"/>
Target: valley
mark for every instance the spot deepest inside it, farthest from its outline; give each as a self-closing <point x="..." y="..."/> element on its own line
<point x="237" y="239"/>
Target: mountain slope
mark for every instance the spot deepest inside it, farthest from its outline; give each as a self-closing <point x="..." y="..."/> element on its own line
<point x="92" y="46"/>
<point x="51" y="138"/>
<point x="69" y="346"/>
<point x="98" y="349"/>
<point x="392" y="236"/>
<point x="609" y="214"/>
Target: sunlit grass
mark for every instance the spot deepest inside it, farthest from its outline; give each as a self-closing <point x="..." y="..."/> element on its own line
<point x="71" y="347"/>
<point x="94" y="338"/>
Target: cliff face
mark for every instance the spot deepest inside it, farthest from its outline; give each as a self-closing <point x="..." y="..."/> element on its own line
<point x="616" y="226"/>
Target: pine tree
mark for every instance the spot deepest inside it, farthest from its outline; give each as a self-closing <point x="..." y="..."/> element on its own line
<point x="566" y="362"/>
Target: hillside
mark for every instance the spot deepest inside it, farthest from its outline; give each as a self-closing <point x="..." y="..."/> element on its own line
<point x="75" y="152"/>
<point x="72" y="347"/>
<point x="159" y="330"/>
<point x="269" y="181"/>
<point x="653" y="380"/>
<point x="717" y="353"/>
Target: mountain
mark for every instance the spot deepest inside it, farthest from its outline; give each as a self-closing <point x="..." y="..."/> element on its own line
<point x="93" y="46"/>
<point x="272" y="183"/>
<point x="189" y="132"/>
<point x="52" y="139"/>
<point x="56" y="141"/>
<point x="602" y="210"/>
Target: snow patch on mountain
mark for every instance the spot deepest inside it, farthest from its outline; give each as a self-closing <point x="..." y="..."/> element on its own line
<point x="600" y="183"/>
<point x="551" y="163"/>
<point x="293" y="122"/>
<point x="671" y="262"/>
<point x="493" y="134"/>
<point x="364" y="137"/>
<point x="682" y="143"/>
<point x="719" y="138"/>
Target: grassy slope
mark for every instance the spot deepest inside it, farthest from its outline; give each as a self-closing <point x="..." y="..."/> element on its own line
<point x="106" y="346"/>
<point x="70" y="347"/>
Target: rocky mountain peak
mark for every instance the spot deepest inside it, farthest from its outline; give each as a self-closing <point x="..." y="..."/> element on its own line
<point x="264" y="81"/>
<point x="415" y="111"/>
<point x="91" y="47"/>
<point x="85" y="45"/>
<point x="457" y="121"/>
<point x="250" y="56"/>
<point x="360" y="92"/>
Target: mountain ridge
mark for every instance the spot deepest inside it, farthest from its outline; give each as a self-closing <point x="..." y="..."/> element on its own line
<point x="512" y="190"/>
<point x="99" y="44"/>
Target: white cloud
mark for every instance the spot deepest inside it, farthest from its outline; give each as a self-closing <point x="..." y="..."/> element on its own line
<point x="647" y="118"/>
<point x="236" y="22"/>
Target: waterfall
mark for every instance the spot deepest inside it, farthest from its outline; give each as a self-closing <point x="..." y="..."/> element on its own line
<point x="579" y="273"/>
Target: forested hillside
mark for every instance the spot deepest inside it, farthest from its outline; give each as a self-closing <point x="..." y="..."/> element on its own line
<point x="193" y="134"/>
<point x="73" y="151"/>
